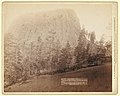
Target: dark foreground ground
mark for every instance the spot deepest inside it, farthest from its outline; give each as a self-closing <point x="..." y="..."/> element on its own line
<point x="99" y="80"/>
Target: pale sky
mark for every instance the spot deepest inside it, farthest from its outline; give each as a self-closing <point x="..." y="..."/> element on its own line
<point x="95" y="17"/>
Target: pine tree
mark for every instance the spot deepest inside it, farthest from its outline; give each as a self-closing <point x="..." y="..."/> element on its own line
<point x="69" y="55"/>
<point x="55" y="57"/>
<point x="32" y="58"/>
<point x="101" y="47"/>
<point x="19" y="62"/>
<point x="65" y="57"/>
<point x="39" y="63"/>
<point x="50" y="50"/>
<point x="80" y="50"/>
<point x="9" y="59"/>
<point x="92" y="37"/>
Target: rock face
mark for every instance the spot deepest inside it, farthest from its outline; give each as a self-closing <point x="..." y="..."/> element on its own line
<point x="63" y="23"/>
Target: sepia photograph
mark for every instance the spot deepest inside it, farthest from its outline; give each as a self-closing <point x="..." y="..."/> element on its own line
<point x="59" y="46"/>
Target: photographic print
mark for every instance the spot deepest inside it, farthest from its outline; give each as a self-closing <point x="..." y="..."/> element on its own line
<point x="58" y="46"/>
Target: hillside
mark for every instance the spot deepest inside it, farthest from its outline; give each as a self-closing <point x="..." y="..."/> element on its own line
<point x="98" y="81"/>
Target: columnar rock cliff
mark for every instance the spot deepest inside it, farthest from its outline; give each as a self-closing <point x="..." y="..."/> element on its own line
<point x="64" y="23"/>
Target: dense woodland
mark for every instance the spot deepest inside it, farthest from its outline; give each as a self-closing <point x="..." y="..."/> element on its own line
<point x="49" y="56"/>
